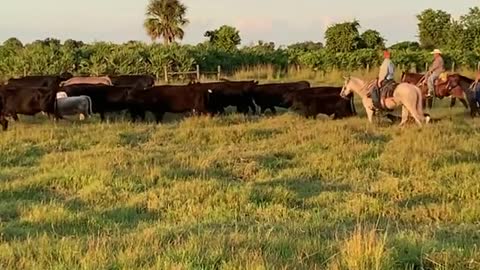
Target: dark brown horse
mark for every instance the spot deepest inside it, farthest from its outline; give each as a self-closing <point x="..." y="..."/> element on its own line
<point x="441" y="89"/>
<point x="457" y="83"/>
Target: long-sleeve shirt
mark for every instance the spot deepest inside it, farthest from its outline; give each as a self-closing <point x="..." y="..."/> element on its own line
<point x="438" y="66"/>
<point x="387" y="70"/>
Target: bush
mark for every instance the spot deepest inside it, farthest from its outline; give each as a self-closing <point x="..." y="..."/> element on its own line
<point x="134" y="57"/>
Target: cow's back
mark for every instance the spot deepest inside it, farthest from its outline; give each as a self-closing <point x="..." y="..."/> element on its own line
<point x="134" y="81"/>
<point x="35" y="81"/>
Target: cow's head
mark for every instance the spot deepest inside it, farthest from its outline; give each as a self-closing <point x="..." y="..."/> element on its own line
<point x="65" y="76"/>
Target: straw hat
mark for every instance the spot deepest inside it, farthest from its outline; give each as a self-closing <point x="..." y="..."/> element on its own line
<point x="436" y="51"/>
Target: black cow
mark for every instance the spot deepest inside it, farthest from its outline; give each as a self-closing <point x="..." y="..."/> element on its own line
<point x="39" y="81"/>
<point x="26" y="100"/>
<point x="229" y="93"/>
<point x="269" y="96"/>
<point x="105" y="98"/>
<point x="159" y="100"/>
<point x="313" y="102"/>
<point x="133" y="81"/>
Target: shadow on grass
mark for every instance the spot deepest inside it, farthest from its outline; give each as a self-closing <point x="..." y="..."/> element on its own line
<point x="176" y="171"/>
<point x="459" y="157"/>
<point x="303" y="189"/>
<point x="90" y="223"/>
<point x="81" y="219"/>
<point x="28" y="157"/>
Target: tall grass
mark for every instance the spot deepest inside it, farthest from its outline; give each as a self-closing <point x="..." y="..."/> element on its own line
<point x="364" y="249"/>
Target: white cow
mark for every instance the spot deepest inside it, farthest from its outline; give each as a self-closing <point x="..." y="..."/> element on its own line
<point x="74" y="105"/>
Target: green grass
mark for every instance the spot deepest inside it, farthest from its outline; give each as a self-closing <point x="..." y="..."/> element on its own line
<point x="239" y="192"/>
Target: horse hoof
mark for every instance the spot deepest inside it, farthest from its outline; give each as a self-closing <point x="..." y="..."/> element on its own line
<point x="428" y="119"/>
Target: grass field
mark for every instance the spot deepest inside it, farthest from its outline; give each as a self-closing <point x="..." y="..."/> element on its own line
<point x="239" y="192"/>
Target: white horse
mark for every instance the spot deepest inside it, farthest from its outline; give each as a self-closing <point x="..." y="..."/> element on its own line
<point x="406" y="95"/>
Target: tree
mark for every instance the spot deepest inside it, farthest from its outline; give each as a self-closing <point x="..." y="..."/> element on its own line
<point x="371" y="39"/>
<point x="406" y="45"/>
<point x="226" y="37"/>
<point x="165" y="19"/>
<point x="433" y="28"/>
<point x="306" y="46"/>
<point x="471" y="25"/>
<point x="73" y="44"/>
<point x="343" y="37"/>
<point x="13" y="43"/>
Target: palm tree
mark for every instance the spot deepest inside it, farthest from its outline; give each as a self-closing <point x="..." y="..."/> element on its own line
<point x="165" y="18"/>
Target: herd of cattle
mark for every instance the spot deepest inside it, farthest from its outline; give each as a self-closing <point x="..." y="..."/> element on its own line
<point x="64" y="95"/>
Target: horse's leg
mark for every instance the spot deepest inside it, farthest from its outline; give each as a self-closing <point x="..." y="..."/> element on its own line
<point x="453" y="100"/>
<point x="430" y="102"/>
<point x="370" y="113"/>
<point x="464" y="102"/>
<point x="412" y="109"/>
<point x="404" y="116"/>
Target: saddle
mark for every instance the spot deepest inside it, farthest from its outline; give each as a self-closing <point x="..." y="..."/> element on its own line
<point x="379" y="95"/>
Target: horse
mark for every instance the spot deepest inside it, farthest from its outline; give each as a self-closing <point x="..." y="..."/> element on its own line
<point x="457" y="83"/>
<point x="441" y="90"/>
<point x="406" y="95"/>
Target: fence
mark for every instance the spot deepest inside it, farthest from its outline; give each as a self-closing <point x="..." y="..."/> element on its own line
<point x="193" y="75"/>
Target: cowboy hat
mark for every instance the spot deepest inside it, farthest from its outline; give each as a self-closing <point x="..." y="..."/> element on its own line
<point x="436" y="51"/>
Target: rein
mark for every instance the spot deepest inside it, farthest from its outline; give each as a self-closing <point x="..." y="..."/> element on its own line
<point x="422" y="80"/>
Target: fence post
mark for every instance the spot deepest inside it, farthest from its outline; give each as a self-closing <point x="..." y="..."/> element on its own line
<point x="478" y="66"/>
<point x="165" y="73"/>
<point x="453" y="66"/>
<point x="219" y="71"/>
<point x="198" y="73"/>
<point x="368" y="68"/>
<point x="426" y="67"/>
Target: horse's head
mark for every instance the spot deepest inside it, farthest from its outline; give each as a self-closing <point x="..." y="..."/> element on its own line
<point x="347" y="87"/>
<point x="452" y="82"/>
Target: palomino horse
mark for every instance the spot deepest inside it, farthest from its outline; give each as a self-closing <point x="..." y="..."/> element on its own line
<point x="441" y="90"/>
<point x="457" y="83"/>
<point x="87" y="80"/>
<point x="406" y="95"/>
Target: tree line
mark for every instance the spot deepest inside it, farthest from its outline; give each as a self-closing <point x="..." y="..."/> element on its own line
<point x="345" y="48"/>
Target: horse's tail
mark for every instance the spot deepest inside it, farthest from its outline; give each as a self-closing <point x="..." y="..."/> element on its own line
<point x="420" y="103"/>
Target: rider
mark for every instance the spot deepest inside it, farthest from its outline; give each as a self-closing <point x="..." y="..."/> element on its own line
<point x="437" y="68"/>
<point x="387" y="70"/>
<point x="385" y="75"/>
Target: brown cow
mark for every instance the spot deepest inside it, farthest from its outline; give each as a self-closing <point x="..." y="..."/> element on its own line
<point x="105" y="80"/>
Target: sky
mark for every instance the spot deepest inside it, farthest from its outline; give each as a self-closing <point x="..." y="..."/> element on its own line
<point x="281" y="21"/>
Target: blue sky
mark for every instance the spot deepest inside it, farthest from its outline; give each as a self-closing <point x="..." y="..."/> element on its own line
<point x="281" y="21"/>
